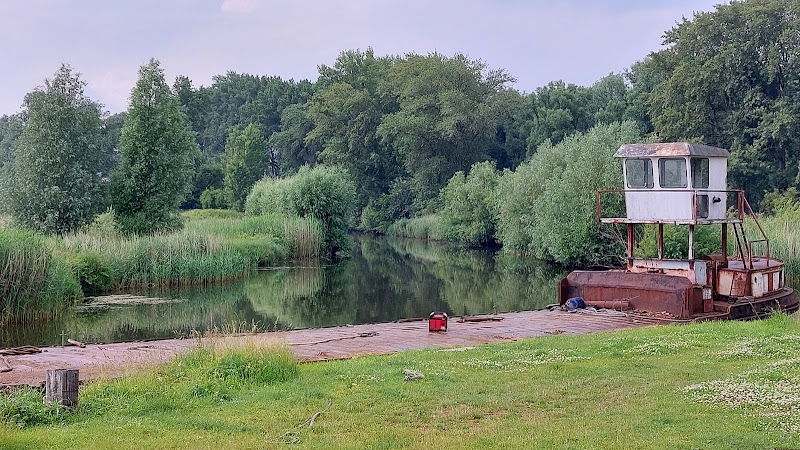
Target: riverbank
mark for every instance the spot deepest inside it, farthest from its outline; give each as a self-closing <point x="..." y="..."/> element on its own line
<point x="41" y="275"/>
<point x="110" y="360"/>
<point x="707" y="385"/>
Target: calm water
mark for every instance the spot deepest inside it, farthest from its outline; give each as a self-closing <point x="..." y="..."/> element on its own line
<point x="385" y="279"/>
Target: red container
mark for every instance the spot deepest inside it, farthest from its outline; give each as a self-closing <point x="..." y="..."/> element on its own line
<point x="437" y="322"/>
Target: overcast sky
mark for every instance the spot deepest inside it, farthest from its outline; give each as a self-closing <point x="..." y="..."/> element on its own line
<point x="536" y="41"/>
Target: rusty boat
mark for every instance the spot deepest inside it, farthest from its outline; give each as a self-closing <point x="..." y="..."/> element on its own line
<point x="684" y="184"/>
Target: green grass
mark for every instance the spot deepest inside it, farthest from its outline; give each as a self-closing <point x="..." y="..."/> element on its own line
<point x="709" y="385"/>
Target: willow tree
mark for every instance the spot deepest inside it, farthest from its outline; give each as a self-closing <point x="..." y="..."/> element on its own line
<point x="158" y="148"/>
<point x="56" y="184"/>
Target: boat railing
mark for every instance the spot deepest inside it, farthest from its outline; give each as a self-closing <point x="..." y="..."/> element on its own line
<point x="740" y="209"/>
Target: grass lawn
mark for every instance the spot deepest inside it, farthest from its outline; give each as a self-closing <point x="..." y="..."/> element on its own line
<point x="710" y="385"/>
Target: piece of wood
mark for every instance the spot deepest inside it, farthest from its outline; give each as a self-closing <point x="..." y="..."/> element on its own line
<point x="61" y="387"/>
<point x="76" y="343"/>
<point x="480" y="319"/>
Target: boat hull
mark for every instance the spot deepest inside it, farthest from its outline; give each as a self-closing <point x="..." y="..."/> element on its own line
<point x="668" y="296"/>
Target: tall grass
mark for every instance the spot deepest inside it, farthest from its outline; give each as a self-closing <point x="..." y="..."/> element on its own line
<point x="422" y="227"/>
<point x="783" y="231"/>
<point x="205" y="251"/>
<point x="33" y="281"/>
<point x="39" y="275"/>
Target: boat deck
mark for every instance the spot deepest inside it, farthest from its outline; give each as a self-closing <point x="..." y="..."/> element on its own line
<point x="110" y="360"/>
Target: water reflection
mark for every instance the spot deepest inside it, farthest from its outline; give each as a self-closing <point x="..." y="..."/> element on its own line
<point x="385" y="279"/>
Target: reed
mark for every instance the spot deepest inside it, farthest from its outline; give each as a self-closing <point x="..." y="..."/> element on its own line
<point x="34" y="283"/>
<point x="423" y="227"/>
<point x="784" y="241"/>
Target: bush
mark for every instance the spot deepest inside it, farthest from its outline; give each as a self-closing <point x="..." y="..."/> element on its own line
<point x="324" y="193"/>
<point x="707" y="241"/>
<point x="422" y="227"/>
<point x="469" y="205"/>
<point x="547" y="206"/>
<point x="213" y="198"/>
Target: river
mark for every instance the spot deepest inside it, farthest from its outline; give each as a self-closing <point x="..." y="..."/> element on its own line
<point x="384" y="279"/>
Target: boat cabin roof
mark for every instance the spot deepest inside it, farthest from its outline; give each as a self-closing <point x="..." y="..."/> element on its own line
<point x="669" y="149"/>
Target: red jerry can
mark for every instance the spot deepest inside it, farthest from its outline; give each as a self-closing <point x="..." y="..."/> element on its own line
<point x="437" y="322"/>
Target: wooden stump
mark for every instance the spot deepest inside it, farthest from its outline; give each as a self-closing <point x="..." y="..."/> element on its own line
<point x="62" y="387"/>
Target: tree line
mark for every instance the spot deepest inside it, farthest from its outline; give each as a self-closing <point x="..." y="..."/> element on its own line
<point x="401" y="126"/>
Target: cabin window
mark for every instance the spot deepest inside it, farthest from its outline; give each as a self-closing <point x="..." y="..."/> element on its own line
<point x="672" y="172"/>
<point x="639" y="173"/>
<point x="700" y="173"/>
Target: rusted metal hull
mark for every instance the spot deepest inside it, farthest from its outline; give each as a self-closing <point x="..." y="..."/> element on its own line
<point x="669" y="296"/>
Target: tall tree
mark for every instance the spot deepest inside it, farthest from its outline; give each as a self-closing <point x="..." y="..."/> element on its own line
<point x="293" y="152"/>
<point x="347" y="110"/>
<point x="446" y="120"/>
<point x="244" y="163"/>
<point x="58" y="157"/>
<point x="158" y="149"/>
<point x="733" y="81"/>
<point x="10" y="129"/>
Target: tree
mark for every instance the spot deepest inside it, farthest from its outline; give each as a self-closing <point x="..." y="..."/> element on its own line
<point x="446" y="120"/>
<point x="58" y="159"/>
<point x="290" y="143"/>
<point x="731" y="78"/>
<point x="469" y="205"/>
<point x="347" y="110"/>
<point x="547" y="206"/>
<point x="10" y="129"/>
<point x="243" y="160"/>
<point x="158" y="150"/>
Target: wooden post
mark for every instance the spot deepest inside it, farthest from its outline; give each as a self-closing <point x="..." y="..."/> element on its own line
<point x="62" y="387"/>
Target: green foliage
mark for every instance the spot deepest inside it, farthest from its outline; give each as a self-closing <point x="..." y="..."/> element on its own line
<point x="243" y="160"/>
<point x="422" y="227"/>
<point x="730" y="79"/>
<point x="395" y="205"/>
<point x="290" y="142"/>
<point x="207" y="175"/>
<point x="469" y="205"/>
<point x="24" y="408"/>
<point x="324" y="193"/>
<point x="781" y="203"/>
<point x="346" y="112"/>
<point x="10" y="130"/>
<point x="57" y="184"/>
<point x="214" y="199"/>
<point x="34" y="282"/>
<point x="547" y="206"/>
<point x="445" y="120"/>
<point x="707" y="241"/>
<point x="158" y="149"/>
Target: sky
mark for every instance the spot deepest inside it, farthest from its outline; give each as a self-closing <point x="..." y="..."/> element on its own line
<point x="535" y="41"/>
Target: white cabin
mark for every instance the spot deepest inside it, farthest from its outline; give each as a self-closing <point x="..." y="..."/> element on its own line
<point x="680" y="182"/>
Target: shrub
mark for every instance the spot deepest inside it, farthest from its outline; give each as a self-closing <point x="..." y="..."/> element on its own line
<point x="213" y="198"/>
<point x="707" y="241"/>
<point x="24" y="407"/>
<point x="469" y="205"/>
<point x="547" y="206"/>
<point x="324" y="193"/>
